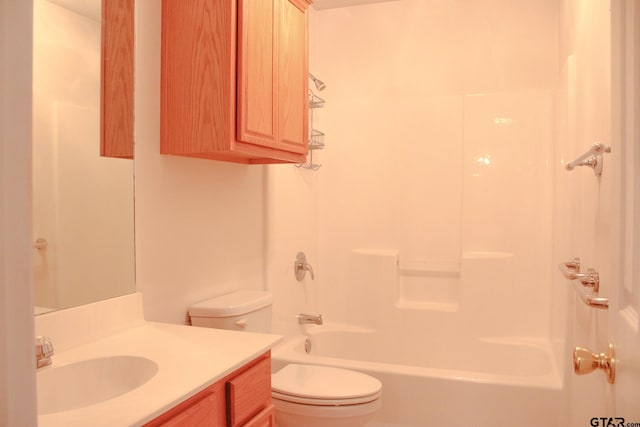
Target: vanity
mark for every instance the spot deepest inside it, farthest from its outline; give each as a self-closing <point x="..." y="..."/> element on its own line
<point x="242" y="398"/>
<point x="125" y="371"/>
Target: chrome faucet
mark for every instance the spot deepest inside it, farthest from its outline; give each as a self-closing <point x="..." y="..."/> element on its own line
<point x="304" y="319"/>
<point x="44" y="351"/>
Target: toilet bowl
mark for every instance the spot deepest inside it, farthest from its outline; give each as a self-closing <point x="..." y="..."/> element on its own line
<point x="318" y="396"/>
<point x="303" y="395"/>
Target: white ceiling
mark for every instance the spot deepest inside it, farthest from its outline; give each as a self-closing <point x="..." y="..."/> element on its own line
<point x="92" y="9"/>
<point x="332" y="4"/>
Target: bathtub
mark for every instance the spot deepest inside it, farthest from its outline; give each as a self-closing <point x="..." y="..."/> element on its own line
<point x="491" y="382"/>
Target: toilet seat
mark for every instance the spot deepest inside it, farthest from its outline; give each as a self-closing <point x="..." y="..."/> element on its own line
<point x="323" y="386"/>
<point x="323" y="402"/>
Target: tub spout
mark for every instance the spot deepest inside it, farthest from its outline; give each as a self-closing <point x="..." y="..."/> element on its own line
<point x="309" y="318"/>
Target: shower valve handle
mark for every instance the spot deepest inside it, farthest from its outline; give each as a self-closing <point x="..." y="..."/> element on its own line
<point x="301" y="266"/>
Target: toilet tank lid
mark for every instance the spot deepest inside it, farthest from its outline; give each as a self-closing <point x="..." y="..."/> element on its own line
<point x="233" y="304"/>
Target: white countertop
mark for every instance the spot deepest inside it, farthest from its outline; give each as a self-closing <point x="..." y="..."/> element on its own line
<point x="189" y="360"/>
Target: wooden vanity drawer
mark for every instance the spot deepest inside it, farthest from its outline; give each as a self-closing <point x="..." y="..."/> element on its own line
<point x="205" y="409"/>
<point x="266" y="418"/>
<point x="201" y="413"/>
<point x="249" y="393"/>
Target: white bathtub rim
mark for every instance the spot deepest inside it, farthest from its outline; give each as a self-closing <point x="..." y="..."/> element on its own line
<point x="285" y="352"/>
<point x="335" y="327"/>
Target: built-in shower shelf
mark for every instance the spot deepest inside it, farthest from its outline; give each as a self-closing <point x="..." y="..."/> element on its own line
<point x="431" y="284"/>
<point x="405" y="304"/>
<point x="430" y="268"/>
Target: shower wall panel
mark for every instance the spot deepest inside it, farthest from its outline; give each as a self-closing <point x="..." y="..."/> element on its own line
<point x="422" y="96"/>
<point x="507" y="196"/>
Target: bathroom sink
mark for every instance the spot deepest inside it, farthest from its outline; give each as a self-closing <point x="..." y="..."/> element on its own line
<point x="87" y="382"/>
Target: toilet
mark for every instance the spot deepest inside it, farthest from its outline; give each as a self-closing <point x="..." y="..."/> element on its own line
<point x="318" y="396"/>
<point x="303" y="395"/>
<point x="238" y="311"/>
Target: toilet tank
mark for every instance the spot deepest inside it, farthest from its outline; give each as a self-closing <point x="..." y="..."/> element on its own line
<point x="238" y="311"/>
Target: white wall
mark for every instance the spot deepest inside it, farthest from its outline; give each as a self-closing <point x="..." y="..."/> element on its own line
<point x="199" y="223"/>
<point x="17" y="373"/>
<point x="439" y="127"/>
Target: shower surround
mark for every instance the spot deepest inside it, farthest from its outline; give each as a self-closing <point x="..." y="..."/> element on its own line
<point x="430" y="220"/>
<point x="461" y="207"/>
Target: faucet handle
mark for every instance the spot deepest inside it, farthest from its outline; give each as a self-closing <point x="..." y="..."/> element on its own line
<point x="44" y="351"/>
<point x="308" y="267"/>
<point x="301" y="266"/>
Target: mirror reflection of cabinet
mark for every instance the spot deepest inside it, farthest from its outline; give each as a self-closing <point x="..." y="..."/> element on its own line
<point x="116" y="133"/>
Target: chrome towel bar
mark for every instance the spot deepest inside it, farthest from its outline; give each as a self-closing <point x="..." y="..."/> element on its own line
<point x="592" y="158"/>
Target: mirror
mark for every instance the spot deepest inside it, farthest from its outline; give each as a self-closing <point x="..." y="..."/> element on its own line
<point x="82" y="200"/>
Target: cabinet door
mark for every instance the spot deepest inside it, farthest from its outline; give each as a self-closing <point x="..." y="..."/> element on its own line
<point x="293" y="71"/>
<point x="257" y="72"/>
<point x="249" y="393"/>
<point x="198" y="54"/>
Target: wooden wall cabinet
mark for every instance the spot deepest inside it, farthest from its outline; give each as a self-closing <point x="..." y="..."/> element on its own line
<point x="242" y="398"/>
<point x="234" y="80"/>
